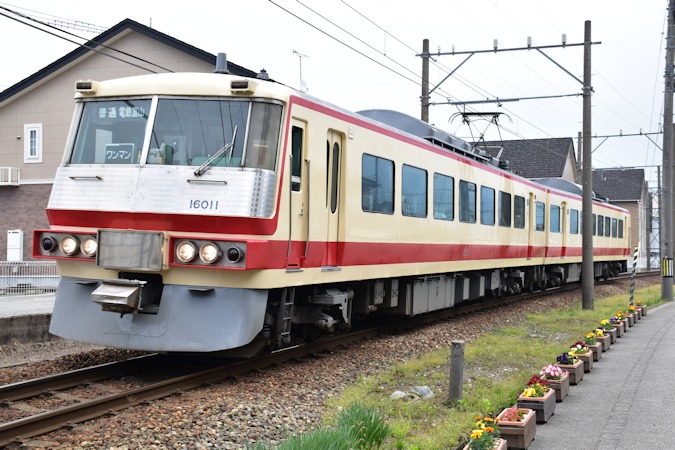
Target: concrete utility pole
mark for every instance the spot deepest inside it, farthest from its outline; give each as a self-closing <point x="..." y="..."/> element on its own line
<point x="667" y="194"/>
<point x="425" y="81"/>
<point x="587" y="272"/>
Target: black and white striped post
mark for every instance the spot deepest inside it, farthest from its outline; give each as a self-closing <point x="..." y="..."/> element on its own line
<point x="632" y="278"/>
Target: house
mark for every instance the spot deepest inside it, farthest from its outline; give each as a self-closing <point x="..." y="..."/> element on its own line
<point x="536" y="158"/>
<point x="628" y="189"/>
<point x="35" y="116"/>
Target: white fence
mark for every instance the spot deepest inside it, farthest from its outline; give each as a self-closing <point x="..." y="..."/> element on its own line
<point x="28" y="277"/>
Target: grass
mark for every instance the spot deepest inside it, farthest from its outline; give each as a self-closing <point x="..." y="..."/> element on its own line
<point x="497" y="365"/>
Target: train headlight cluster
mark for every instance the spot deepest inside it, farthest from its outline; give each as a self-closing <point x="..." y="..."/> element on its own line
<point x="62" y="245"/>
<point x="214" y="253"/>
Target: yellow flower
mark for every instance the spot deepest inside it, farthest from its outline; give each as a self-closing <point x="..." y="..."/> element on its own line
<point x="604" y="321"/>
<point x="590" y="335"/>
<point x="476" y="434"/>
<point x="599" y="333"/>
<point x="529" y="392"/>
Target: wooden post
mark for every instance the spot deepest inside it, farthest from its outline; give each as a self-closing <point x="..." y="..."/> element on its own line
<point x="456" y="371"/>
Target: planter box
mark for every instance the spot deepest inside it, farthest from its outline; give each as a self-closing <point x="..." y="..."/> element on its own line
<point x="625" y="324"/>
<point x="543" y="407"/>
<point x="631" y="320"/>
<point x="518" y="435"/>
<point x="597" y="350"/>
<point x="561" y="386"/>
<point x="500" y="444"/>
<point x="612" y="335"/>
<point x="618" y="327"/>
<point x="576" y="371"/>
<point x="605" y="341"/>
<point x="643" y="310"/>
<point x="587" y="359"/>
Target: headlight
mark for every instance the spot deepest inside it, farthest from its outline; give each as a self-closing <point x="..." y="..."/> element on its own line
<point x="48" y="244"/>
<point x="210" y="253"/>
<point x="186" y="252"/>
<point x="89" y="246"/>
<point x="70" y="245"/>
<point x="234" y="254"/>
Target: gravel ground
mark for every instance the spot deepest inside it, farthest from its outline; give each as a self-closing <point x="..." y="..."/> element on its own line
<point x="267" y="405"/>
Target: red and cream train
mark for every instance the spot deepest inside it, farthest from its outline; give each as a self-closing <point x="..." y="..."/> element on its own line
<point x="207" y="212"/>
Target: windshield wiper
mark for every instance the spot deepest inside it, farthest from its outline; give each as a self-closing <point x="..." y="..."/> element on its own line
<point x="219" y="154"/>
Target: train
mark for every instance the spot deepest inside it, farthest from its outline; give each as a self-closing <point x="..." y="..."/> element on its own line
<point x="208" y="212"/>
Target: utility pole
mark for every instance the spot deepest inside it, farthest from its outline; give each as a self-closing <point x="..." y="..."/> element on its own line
<point x="425" y="81"/>
<point x="667" y="194"/>
<point x="587" y="272"/>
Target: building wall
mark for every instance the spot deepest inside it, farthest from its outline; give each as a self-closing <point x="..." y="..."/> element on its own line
<point x="23" y="208"/>
<point x="50" y="103"/>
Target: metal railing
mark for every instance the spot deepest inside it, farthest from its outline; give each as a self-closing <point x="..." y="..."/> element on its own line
<point x="28" y="277"/>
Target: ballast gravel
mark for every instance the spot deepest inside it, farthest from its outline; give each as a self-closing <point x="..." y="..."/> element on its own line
<point x="266" y="406"/>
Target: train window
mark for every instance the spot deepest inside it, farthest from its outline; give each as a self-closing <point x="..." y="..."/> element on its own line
<point x="263" y="136"/>
<point x="601" y="225"/>
<point x="608" y="226"/>
<point x="504" y="209"/>
<point x="377" y="184"/>
<point x="593" y="224"/>
<point x="615" y="226"/>
<point x="335" y="169"/>
<point x="296" y="158"/>
<point x="487" y="205"/>
<point x="554" y="219"/>
<point x="540" y="216"/>
<point x="189" y="132"/>
<point x="413" y="191"/>
<point x="467" y="202"/>
<point x="519" y="211"/>
<point x="620" y="229"/>
<point x="111" y="132"/>
<point x="444" y="197"/>
<point x="574" y="221"/>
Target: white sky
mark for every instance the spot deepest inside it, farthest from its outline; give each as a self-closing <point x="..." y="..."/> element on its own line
<point x="628" y="66"/>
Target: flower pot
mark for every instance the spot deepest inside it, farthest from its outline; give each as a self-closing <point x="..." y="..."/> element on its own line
<point x="500" y="444"/>
<point x="561" y="386"/>
<point x="612" y="335"/>
<point x="587" y="359"/>
<point x="596" y="349"/>
<point x="643" y="310"/>
<point x="543" y="407"/>
<point x="518" y="434"/>
<point x="631" y="320"/>
<point x="636" y="316"/>
<point x="576" y="371"/>
<point x="618" y="327"/>
<point x="605" y="341"/>
<point x="625" y="324"/>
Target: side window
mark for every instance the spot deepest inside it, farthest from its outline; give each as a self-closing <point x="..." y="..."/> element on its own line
<point x="593" y="224"/>
<point x="444" y="201"/>
<point x="615" y="227"/>
<point x="555" y="219"/>
<point x="296" y="158"/>
<point x="32" y="144"/>
<point x="487" y="205"/>
<point x="608" y="226"/>
<point x="519" y="211"/>
<point x="540" y="216"/>
<point x="504" y="209"/>
<point x="413" y="191"/>
<point x="377" y="184"/>
<point x="601" y="225"/>
<point x="467" y="202"/>
<point x="620" y="229"/>
<point x="574" y="221"/>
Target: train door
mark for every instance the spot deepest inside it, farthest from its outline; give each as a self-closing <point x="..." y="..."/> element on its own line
<point x="530" y="226"/>
<point x="298" y="237"/>
<point x="333" y="173"/>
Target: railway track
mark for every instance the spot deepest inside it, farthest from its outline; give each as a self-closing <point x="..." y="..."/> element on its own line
<point x="15" y="431"/>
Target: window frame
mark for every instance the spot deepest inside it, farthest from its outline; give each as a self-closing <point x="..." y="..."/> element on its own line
<point x="437" y="201"/>
<point x="392" y="179"/>
<point x="30" y="156"/>
<point x="464" y="197"/>
<point x="487" y="215"/>
<point x="407" y="171"/>
<point x="539" y="211"/>
<point x="517" y="200"/>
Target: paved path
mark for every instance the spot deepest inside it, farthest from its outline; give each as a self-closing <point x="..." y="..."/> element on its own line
<point x="627" y="401"/>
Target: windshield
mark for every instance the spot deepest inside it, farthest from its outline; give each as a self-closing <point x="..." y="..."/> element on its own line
<point x="186" y="132"/>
